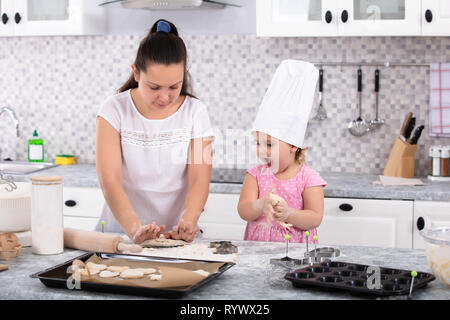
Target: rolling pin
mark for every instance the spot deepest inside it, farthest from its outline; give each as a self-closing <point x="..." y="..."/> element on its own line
<point x="3" y="267"/>
<point x="97" y="241"/>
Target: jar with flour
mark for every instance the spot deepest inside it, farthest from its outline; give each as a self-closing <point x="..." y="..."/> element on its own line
<point x="47" y="224"/>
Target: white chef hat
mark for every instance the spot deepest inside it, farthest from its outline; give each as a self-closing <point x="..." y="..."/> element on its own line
<point x="285" y="109"/>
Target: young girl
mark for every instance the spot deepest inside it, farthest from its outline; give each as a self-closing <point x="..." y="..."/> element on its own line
<point x="153" y="145"/>
<point x="283" y="195"/>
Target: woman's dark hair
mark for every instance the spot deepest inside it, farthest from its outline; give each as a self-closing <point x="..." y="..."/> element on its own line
<point x="161" y="48"/>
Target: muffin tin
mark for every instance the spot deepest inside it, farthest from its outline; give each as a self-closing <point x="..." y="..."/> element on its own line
<point x="353" y="277"/>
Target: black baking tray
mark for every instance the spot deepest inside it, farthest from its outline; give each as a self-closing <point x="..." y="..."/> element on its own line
<point x="56" y="277"/>
<point x="353" y="277"/>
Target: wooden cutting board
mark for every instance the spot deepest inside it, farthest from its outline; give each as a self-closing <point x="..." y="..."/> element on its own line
<point x="3" y="267"/>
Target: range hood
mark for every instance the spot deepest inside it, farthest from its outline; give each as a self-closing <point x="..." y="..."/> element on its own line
<point x="168" y="4"/>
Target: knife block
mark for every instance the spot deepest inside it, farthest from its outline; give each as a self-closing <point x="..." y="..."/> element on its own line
<point x="401" y="160"/>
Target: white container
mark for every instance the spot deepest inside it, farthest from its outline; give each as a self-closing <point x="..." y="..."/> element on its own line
<point x="15" y="208"/>
<point x="436" y="161"/>
<point x="47" y="219"/>
<point x="438" y="252"/>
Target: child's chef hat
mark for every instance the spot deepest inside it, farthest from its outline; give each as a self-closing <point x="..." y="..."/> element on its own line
<point x="285" y="109"/>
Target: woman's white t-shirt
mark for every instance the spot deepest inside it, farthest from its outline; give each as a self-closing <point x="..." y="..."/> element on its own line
<point x="154" y="158"/>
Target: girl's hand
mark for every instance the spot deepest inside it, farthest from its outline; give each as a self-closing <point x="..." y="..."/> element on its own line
<point x="185" y="230"/>
<point x="282" y="211"/>
<point x="268" y="208"/>
<point x="149" y="231"/>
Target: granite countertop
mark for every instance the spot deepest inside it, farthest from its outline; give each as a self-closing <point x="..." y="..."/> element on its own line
<point x="251" y="278"/>
<point x="340" y="185"/>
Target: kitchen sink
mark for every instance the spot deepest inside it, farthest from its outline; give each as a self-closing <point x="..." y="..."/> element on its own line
<point x="24" y="167"/>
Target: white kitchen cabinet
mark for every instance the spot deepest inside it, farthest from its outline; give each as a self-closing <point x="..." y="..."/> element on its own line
<point x="435" y="17"/>
<point x="51" y="17"/>
<point x="301" y="18"/>
<point x="429" y="214"/>
<point x="364" y="222"/>
<point x="338" y="18"/>
<point x="220" y="218"/>
<point x="82" y="207"/>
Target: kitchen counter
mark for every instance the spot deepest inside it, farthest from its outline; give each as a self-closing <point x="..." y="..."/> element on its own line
<point x="340" y="185"/>
<point x="251" y="278"/>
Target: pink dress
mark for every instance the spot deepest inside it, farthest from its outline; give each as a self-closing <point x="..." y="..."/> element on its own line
<point x="290" y="190"/>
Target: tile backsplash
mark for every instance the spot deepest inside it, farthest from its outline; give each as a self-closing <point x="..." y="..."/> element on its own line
<point x="57" y="84"/>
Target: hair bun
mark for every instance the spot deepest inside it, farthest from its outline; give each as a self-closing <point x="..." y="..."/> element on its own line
<point x="162" y="26"/>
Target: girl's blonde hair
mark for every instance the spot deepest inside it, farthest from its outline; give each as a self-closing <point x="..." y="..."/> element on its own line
<point x="300" y="155"/>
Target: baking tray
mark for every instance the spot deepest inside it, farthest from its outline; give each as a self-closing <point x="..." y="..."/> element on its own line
<point x="353" y="277"/>
<point x="56" y="277"/>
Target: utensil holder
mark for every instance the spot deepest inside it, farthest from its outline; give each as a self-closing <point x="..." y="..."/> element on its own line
<point x="401" y="160"/>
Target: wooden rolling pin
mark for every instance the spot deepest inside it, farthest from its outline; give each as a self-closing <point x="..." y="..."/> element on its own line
<point x="97" y="241"/>
<point x="3" y="267"/>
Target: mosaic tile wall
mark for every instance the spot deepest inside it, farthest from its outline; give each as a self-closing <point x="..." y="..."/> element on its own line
<point x="56" y="85"/>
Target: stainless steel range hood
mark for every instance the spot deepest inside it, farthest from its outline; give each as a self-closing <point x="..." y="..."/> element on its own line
<point x="168" y="4"/>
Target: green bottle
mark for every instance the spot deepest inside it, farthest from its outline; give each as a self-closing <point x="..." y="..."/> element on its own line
<point x="35" y="148"/>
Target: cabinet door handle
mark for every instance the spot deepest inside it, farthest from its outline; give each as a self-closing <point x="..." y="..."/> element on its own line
<point x="346" y="207"/>
<point x="344" y="16"/>
<point x="70" y="203"/>
<point x="5" y="18"/>
<point x="17" y="17"/>
<point x="328" y="16"/>
<point x="420" y="223"/>
<point x="428" y="15"/>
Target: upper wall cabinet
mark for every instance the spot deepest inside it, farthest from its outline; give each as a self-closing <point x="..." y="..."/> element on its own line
<point x="309" y="18"/>
<point x="51" y="17"/>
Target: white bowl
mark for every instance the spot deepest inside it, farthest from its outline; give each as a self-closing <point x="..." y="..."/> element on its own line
<point x="15" y="208"/>
<point x="438" y="251"/>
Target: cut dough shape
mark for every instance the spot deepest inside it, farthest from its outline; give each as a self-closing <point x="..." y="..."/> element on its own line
<point x="131" y="274"/>
<point x="155" y="277"/>
<point x="147" y="270"/>
<point x="162" y="242"/>
<point x="81" y="272"/>
<point x="117" y="268"/>
<point x="108" y="274"/>
<point x="93" y="266"/>
<point x="202" y="272"/>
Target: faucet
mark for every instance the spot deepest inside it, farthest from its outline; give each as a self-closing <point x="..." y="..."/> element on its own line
<point x="13" y="117"/>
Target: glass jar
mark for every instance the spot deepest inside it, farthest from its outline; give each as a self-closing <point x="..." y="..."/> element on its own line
<point x="445" y="158"/>
<point x="47" y="223"/>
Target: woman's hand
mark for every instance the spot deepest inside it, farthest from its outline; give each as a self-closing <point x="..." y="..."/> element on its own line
<point x="185" y="230"/>
<point x="149" y="231"/>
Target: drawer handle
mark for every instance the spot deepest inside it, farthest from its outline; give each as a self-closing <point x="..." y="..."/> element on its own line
<point x="70" y="203"/>
<point x="346" y="207"/>
<point x="428" y="16"/>
<point x="420" y="223"/>
<point x="344" y="16"/>
<point x="328" y="16"/>
<point x="5" y="18"/>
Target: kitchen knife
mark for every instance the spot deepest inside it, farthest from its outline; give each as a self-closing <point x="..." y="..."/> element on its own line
<point x="405" y="125"/>
<point x="410" y="128"/>
<point x="416" y="134"/>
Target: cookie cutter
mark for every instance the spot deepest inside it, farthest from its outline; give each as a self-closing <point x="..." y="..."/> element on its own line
<point x="289" y="263"/>
<point x="324" y="252"/>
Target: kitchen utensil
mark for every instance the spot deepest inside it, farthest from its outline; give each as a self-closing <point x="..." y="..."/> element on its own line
<point x="413" y="275"/>
<point x="3" y="267"/>
<point x="410" y="128"/>
<point x="437" y="246"/>
<point x="307" y="236"/>
<point x="47" y="216"/>
<point x="58" y="277"/>
<point x="325" y="252"/>
<point x="315" y="245"/>
<point x="97" y="241"/>
<point x="15" y="208"/>
<point x="354" y="278"/>
<point x="321" y="112"/>
<point x="359" y="127"/>
<point x="405" y="124"/>
<point x="103" y="226"/>
<point x="9" y="181"/>
<point x="287" y="237"/>
<point x="377" y="122"/>
<point x="416" y="134"/>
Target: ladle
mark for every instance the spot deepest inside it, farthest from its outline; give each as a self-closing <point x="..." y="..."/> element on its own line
<point x="359" y="127"/>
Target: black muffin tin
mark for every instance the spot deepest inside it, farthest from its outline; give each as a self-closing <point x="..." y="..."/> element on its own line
<point x="353" y="277"/>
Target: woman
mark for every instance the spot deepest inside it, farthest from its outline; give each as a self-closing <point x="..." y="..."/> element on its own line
<point x="153" y="145"/>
